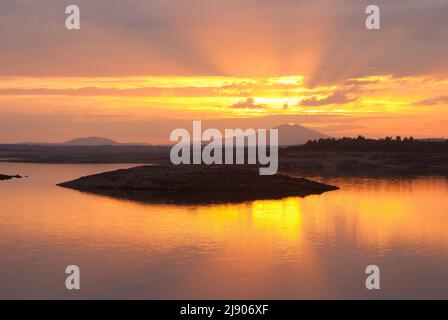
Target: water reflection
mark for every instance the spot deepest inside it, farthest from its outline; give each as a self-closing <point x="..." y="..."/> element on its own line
<point x="313" y="247"/>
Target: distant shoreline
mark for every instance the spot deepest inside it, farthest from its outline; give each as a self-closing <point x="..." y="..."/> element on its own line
<point x="298" y="160"/>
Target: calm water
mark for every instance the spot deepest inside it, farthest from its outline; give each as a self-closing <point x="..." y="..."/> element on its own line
<point x="313" y="247"/>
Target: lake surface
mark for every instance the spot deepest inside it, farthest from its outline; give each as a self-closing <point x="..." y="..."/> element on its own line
<point x="312" y="247"/>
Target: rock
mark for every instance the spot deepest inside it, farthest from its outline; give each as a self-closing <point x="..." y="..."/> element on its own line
<point x="195" y="184"/>
<point x="6" y="177"/>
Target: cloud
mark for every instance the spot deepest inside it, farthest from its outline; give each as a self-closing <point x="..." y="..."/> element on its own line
<point x="339" y="128"/>
<point x="249" y="103"/>
<point x="324" y="40"/>
<point x="334" y="98"/>
<point x="433" y="101"/>
<point x="116" y="92"/>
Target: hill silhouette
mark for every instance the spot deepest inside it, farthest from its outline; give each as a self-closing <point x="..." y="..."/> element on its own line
<point x="91" y="141"/>
<point x="294" y="134"/>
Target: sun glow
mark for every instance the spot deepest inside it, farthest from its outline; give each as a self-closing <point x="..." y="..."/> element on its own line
<point x="206" y="98"/>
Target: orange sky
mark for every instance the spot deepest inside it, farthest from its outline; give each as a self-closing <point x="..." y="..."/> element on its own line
<point x="136" y="70"/>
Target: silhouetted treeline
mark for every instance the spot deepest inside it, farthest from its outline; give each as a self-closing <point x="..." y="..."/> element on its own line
<point x="387" y="144"/>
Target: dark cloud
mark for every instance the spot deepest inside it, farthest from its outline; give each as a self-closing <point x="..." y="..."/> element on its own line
<point x="361" y="82"/>
<point x="249" y="103"/>
<point x="433" y="101"/>
<point x="334" y="98"/>
<point x="339" y="128"/>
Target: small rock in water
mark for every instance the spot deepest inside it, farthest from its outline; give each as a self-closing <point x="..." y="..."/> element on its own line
<point x="6" y="177"/>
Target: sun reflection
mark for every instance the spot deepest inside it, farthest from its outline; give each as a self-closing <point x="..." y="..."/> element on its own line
<point x="283" y="218"/>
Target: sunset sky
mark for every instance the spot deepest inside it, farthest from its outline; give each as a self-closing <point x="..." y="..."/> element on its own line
<point x="138" y="69"/>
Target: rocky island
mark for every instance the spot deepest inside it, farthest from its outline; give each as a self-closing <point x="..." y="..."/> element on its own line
<point x="6" y="177"/>
<point x="195" y="184"/>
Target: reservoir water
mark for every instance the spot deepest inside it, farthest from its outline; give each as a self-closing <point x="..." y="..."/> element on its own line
<point x="294" y="248"/>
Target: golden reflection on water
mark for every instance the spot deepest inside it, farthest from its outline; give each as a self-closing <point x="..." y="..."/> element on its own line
<point x="312" y="247"/>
